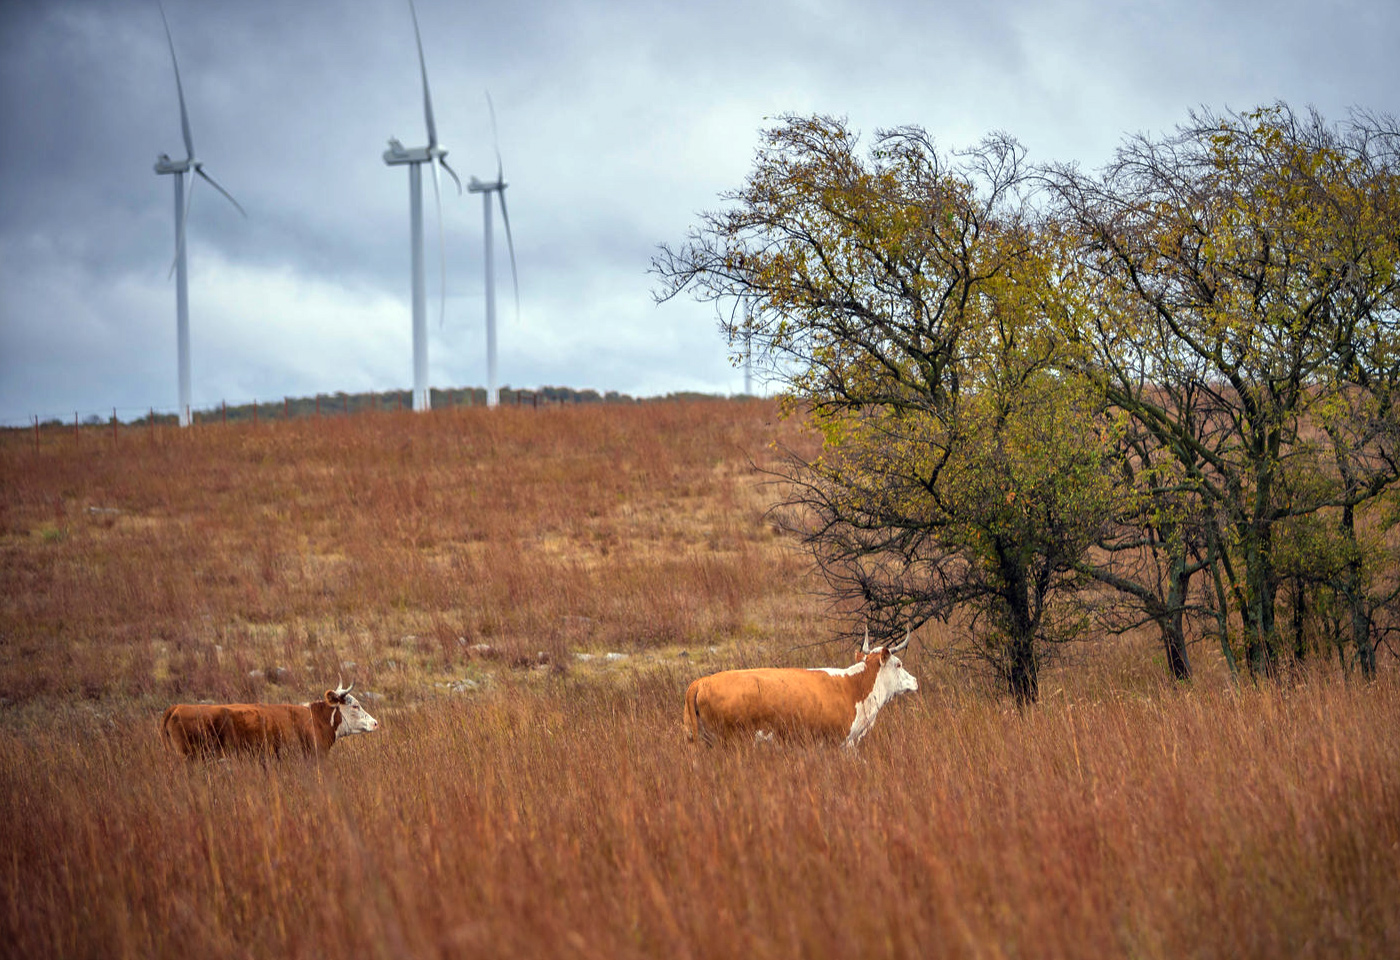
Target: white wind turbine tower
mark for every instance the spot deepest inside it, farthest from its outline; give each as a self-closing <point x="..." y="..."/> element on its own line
<point x="435" y="155"/>
<point x="182" y="211"/>
<point x="497" y="187"/>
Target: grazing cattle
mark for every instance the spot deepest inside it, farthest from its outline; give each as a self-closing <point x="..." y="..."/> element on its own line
<point x="827" y="703"/>
<point x="209" y="730"/>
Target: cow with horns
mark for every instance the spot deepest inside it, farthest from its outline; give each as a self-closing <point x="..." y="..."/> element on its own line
<point x="825" y="703"/>
<point x="210" y="730"/>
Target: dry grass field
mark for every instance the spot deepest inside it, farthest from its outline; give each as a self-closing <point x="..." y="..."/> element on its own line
<point x="523" y="800"/>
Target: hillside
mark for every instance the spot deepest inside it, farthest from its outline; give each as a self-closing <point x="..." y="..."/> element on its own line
<point x="522" y="596"/>
<point x="160" y="562"/>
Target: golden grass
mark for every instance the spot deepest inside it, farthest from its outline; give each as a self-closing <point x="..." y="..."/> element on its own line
<point x="572" y="820"/>
<point x="554" y="809"/>
<point x="174" y="563"/>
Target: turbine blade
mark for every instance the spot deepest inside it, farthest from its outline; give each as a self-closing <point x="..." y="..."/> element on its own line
<point x="212" y="183"/>
<point x="184" y="223"/>
<point x="495" y="140"/>
<point x="179" y="88"/>
<point x="442" y="250"/>
<point x="510" y="245"/>
<point x="423" y="66"/>
<point x="443" y="161"/>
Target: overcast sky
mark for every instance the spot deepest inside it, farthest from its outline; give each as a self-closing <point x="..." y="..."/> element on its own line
<point x="618" y="123"/>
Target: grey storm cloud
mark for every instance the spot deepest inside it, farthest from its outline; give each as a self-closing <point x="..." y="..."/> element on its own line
<point x="618" y="123"/>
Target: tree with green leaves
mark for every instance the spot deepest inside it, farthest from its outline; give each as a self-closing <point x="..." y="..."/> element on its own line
<point x="1252" y="260"/>
<point x="902" y="296"/>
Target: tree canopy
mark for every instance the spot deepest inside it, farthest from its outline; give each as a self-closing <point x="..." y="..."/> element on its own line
<point x="1036" y="384"/>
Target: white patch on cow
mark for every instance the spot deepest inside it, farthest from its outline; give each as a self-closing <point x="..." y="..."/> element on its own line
<point x="851" y="671"/>
<point x="890" y="682"/>
<point x="354" y="718"/>
<point x="763" y="736"/>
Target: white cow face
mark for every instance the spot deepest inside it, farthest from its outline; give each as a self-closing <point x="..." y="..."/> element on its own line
<point x="353" y="717"/>
<point x="893" y="679"/>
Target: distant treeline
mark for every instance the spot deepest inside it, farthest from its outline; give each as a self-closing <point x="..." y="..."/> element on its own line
<point x="343" y="404"/>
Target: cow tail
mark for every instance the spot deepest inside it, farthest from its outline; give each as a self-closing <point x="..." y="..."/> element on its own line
<point x="165" y="735"/>
<point x="692" y="712"/>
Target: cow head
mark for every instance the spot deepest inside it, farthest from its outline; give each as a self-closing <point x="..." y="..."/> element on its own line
<point x="353" y="717"/>
<point x="892" y="679"/>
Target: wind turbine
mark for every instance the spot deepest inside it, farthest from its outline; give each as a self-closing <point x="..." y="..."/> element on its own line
<point x="497" y="187"/>
<point x="436" y="155"/>
<point x="182" y="212"/>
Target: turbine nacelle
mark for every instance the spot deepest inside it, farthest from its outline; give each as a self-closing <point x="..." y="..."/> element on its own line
<point x="165" y="165"/>
<point x="477" y="186"/>
<point x="399" y="154"/>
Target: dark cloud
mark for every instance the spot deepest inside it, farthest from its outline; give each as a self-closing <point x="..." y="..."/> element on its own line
<point x="617" y="124"/>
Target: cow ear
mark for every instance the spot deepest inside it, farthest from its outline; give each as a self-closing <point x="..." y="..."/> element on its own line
<point x="331" y="697"/>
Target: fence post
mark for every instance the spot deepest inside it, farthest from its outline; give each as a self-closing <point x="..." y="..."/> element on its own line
<point x="223" y="412"/>
<point x="75" y="429"/>
<point x="114" y="428"/>
<point x="318" y="404"/>
<point x="286" y="408"/>
<point x="36" y="433"/>
<point x="255" y="412"/>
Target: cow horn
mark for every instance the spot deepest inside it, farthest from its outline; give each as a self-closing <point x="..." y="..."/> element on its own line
<point x="865" y="647"/>
<point x="903" y="643"/>
<point x="341" y="689"/>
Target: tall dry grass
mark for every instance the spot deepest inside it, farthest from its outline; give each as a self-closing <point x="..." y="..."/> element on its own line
<point x="556" y="810"/>
<point x="573" y="821"/>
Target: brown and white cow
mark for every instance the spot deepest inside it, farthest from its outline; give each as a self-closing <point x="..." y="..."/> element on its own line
<point x="826" y="703"/>
<point x="209" y="730"/>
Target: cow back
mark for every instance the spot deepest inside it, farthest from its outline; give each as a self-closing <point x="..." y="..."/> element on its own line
<point x="210" y="730"/>
<point x="789" y="702"/>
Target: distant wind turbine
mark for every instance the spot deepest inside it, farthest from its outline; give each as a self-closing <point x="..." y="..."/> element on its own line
<point x="436" y="155"/>
<point x="497" y="187"/>
<point x="182" y="212"/>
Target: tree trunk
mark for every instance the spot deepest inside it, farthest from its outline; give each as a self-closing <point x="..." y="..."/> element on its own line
<point x="1261" y="649"/>
<point x="1173" y="631"/>
<point x="1023" y="675"/>
<point x="1356" y="604"/>
<point x="1299" y="618"/>
<point x="1020" y="664"/>
<point x="1222" y="608"/>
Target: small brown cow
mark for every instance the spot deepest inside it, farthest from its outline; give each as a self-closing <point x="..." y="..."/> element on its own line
<point x="210" y="730"/>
